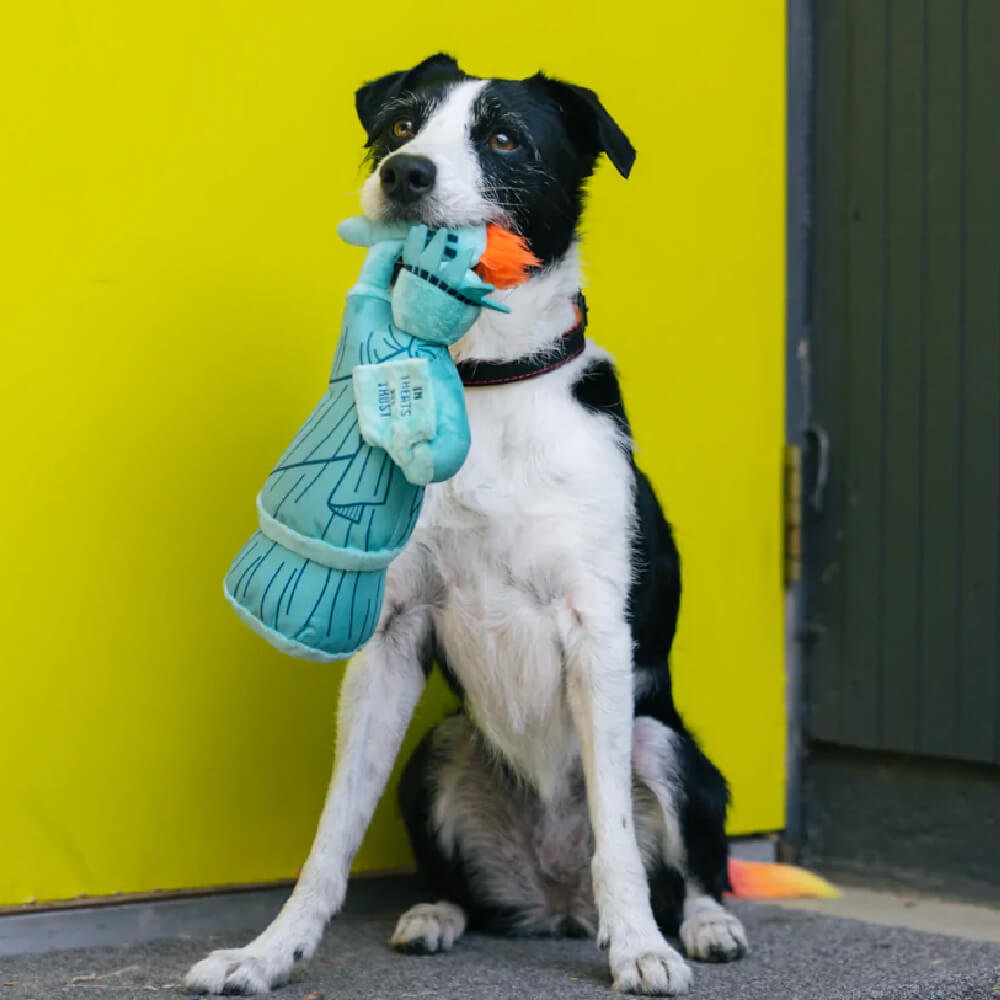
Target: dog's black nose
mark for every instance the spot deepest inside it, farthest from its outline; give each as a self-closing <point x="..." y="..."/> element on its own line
<point x="406" y="178"/>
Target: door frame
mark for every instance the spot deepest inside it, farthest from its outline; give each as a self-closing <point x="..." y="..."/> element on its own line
<point x="798" y="256"/>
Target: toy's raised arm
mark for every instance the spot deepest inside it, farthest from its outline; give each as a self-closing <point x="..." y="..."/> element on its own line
<point x="375" y="276"/>
<point x="386" y="242"/>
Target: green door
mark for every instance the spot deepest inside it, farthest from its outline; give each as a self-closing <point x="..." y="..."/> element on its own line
<point x="903" y="543"/>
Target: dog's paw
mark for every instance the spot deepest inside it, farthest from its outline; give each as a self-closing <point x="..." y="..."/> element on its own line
<point x="229" y="972"/>
<point x="428" y="927"/>
<point x="654" y="971"/>
<point x="713" y="935"/>
<point x="241" y="971"/>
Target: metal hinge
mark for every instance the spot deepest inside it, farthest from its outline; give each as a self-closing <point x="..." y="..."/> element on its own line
<point x="793" y="514"/>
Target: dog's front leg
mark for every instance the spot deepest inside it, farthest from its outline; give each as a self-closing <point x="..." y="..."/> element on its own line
<point x="598" y="651"/>
<point x="380" y="690"/>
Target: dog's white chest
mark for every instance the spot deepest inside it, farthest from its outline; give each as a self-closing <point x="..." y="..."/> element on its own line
<point x="543" y="494"/>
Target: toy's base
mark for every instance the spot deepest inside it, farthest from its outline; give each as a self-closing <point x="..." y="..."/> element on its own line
<point x="302" y="608"/>
<point x="281" y="642"/>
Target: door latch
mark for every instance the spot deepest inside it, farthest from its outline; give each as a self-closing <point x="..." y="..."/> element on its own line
<point x="793" y="514"/>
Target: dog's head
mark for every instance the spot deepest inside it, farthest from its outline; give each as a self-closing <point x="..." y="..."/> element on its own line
<point x="448" y="149"/>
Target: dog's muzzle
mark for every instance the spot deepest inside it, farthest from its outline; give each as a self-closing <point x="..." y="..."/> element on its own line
<point x="405" y="178"/>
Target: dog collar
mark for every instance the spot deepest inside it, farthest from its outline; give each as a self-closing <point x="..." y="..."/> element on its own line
<point x="570" y="345"/>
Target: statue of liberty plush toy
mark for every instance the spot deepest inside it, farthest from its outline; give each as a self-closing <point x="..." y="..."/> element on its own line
<point x="342" y="501"/>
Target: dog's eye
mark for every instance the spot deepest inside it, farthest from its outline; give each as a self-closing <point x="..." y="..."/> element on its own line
<point x="403" y="128"/>
<point x="502" y="142"/>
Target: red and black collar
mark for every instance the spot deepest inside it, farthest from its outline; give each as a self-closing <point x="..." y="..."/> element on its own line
<point x="570" y="345"/>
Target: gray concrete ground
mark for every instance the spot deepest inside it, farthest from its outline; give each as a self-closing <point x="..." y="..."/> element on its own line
<point x="796" y="955"/>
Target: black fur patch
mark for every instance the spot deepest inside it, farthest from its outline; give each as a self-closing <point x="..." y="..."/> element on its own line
<point x="410" y="89"/>
<point x="412" y="93"/>
<point x="703" y="817"/>
<point x="539" y="184"/>
<point x="655" y="595"/>
<point x="597" y="390"/>
<point x="666" y="896"/>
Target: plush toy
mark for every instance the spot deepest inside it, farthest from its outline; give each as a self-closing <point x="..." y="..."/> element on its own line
<point x="343" y="499"/>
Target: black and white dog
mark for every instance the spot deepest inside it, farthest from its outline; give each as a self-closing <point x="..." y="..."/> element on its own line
<point x="566" y="797"/>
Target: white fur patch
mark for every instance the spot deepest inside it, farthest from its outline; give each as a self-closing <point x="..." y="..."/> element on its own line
<point x="658" y="971"/>
<point x="530" y="522"/>
<point x="457" y="198"/>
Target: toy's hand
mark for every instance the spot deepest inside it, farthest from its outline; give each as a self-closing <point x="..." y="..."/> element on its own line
<point x="449" y="262"/>
<point x="436" y="297"/>
<point x="440" y="255"/>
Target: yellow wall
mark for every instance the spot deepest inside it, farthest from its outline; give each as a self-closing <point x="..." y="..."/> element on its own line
<point x="170" y="290"/>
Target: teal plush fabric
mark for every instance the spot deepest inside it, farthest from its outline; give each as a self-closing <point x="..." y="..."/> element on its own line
<point x="343" y="499"/>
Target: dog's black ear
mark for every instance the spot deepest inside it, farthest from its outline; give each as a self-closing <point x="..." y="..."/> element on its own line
<point x="377" y="93"/>
<point x="590" y="122"/>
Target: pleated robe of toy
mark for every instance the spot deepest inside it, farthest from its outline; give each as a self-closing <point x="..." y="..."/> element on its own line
<point x="343" y="500"/>
<point x="330" y="485"/>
